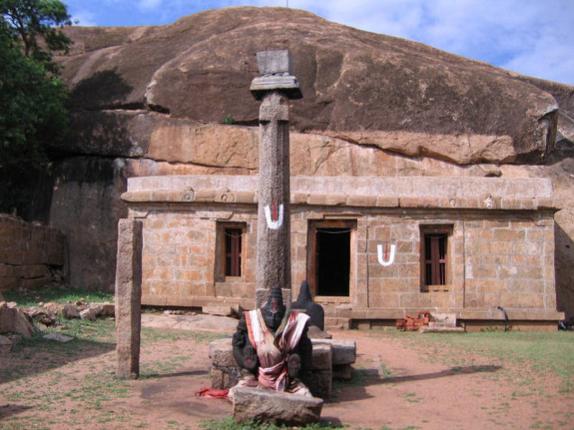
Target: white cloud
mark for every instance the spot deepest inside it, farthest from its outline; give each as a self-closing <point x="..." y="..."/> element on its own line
<point x="528" y="36"/>
<point x="147" y="5"/>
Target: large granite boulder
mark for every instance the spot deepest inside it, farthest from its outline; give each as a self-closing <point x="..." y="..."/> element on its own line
<point x="361" y="87"/>
<point x="159" y="100"/>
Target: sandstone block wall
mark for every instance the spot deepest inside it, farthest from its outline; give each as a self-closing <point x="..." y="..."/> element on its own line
<point x="494" y="259"/>
<point x="30" y="255"/>
<point x="510" y="263"/>
<point x="179" y="259"/>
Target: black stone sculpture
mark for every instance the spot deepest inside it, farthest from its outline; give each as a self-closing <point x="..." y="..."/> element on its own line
<point x="274" y="314"/>
<point x="305" y="302"/>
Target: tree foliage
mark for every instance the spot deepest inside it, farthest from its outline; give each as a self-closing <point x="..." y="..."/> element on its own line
<point x="35" y="26"/>
<point x="33" y="110"/>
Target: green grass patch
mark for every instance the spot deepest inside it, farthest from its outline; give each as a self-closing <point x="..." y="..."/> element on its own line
<point x="544" y="352"/>
<point x="152" y="335"/>
<point x="56" y="294"/>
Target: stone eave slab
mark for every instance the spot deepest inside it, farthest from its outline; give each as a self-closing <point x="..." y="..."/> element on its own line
<point x="351" y="191"/>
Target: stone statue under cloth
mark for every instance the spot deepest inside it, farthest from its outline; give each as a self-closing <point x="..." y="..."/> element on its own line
<point x="272" y="348"/>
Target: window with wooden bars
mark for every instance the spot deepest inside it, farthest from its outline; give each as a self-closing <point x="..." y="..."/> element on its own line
<point x="233" y="238"/>
<point x="434" y="257"/>
<point x="230" y="251"/>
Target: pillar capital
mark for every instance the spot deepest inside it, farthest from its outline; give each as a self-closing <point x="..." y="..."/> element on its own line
<point x="275" y="70"/>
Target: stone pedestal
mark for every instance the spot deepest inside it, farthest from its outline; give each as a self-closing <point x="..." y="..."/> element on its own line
<point x="128" y="297"/>
<point x="253" y="404"/>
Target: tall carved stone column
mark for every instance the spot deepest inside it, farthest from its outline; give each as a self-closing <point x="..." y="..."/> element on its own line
<point x="128" y="298"/>
<point x="275" y="87"/>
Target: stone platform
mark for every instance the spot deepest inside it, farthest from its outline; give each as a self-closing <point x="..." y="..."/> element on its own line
<point x="332" y="359"/>
<point x="254" y="404"/>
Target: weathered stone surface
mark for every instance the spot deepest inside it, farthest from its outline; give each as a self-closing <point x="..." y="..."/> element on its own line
<point x="107" y="310"/>
<point x="343" y="351"/>
<point x="343" y="372"/>
<point x="30" y="254"/>
<point x="70" y="311"/>
<point x="13" y="320"/>
<point x="220" y="310"/>
<point x="273" y="407"/>
<point x="322" y="357"/>
<point x="5" y="345"/>
<point x="221" y="353"/>
<point x="564" y="233"/>
<point x="319" y="382"/>
<point x="90" y="313"/>
<point x="462" y="100"/>
<point x="128" y="298"/>
<point x="86" y="207"/>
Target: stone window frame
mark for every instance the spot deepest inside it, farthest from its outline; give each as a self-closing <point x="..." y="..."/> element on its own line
<point x="436" y="229"/>
<point x="220" y="250"/>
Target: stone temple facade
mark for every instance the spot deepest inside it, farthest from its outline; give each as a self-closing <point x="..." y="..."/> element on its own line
<point x="372" y="248"/>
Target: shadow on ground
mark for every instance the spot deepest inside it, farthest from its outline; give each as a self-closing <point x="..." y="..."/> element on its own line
<point x="355" y="389"/>
<point x="37" y="355"/>
<point x="8" y="410"/>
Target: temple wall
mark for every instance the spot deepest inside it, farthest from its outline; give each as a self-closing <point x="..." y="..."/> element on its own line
<point x="31" y="255"/>
<point x="495" y="259"/>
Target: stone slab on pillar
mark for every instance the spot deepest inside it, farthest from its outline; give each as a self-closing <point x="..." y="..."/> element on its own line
<point x="128" y="298"/>
<point x="274" y="88"/>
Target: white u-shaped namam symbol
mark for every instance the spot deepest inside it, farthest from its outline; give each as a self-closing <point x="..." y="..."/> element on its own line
<point x="271" y="223"/>
<point x="381" y="255"/>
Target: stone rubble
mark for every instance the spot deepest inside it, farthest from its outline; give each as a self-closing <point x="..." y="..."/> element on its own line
<point x="14" y="320"/>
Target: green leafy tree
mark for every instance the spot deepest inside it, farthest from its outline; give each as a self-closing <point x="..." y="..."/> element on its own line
<point x="32" y="97"/>
<point x="35" y="26"/>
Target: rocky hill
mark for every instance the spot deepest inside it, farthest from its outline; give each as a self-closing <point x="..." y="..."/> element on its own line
<point x="175" y="99"/>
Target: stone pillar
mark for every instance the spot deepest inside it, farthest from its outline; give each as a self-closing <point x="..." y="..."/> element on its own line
<point x="274" y="88"/>
<point x="128" y="298"/>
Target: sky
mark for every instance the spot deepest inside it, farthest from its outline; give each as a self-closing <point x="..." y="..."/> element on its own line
<point x="532" y="37"/>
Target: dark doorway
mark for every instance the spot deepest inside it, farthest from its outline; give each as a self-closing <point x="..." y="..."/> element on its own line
<point x="333" y="256"/>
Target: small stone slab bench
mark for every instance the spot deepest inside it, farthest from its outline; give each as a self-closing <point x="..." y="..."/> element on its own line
<point x="254" y="404"/>
<point x="331" y="359"/>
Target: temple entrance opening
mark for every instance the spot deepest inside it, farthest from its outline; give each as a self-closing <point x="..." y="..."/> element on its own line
<point x="330" y="259"/>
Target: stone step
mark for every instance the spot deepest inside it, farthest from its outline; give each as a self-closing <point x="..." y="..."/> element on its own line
<point x="337" y="323"/>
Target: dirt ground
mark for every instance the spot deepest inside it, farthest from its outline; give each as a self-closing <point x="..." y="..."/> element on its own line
<point x="399" y="383"/>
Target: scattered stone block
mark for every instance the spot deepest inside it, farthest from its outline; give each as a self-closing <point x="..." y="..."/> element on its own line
<point x="107" y="310"/>
<point x="344" y="351"/>
<point x="13" y="320"/>
<point x="322" y="357"/>
<point x="221" y="353"/>
<point x="221" y="310"/>
<point x="58" y="337"/>
<point x="253" y="404"/>
<point x="70" y="311"/>
<point x="42" y="316"/>
<point x="90" y="313"/>
<point x="224" y="371"/>
<point x="442" y="320"/>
